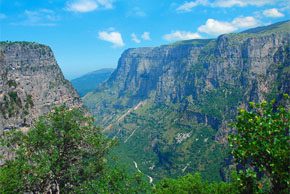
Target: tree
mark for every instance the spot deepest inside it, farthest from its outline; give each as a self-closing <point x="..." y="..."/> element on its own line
<point x="116" y="180"/>
<point x="62" y="151"/>
<point x="261" y="146"/>
<point x="193" y="184"/>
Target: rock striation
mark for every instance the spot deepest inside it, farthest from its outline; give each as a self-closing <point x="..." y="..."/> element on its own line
<point x="249" y="66"/>
<point x="173" y="72"/>
<point x="190" y="87"/>
<point x="31" y="83"/>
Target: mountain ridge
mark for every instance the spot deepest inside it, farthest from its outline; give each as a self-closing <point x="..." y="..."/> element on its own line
<point x="89" y="81"/>
<point x="282" y="26"/>
<point x="188" y="94"/>
<point x="31" y="83"/>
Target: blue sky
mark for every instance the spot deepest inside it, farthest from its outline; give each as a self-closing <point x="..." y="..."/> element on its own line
<point x="87" y="35"/>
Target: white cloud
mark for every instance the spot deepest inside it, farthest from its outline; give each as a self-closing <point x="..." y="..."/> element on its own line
<point x="83" y="6"/>
<point x="113" y="37"/>
<point x="273" y="13"/>
<point x="146" y="36"/>
<point x="241" y="3"/>
<point x="215" y="27"/>
<point x="187" y="6"/>
<point x="105" y="3"/>
<point x="181" y="35"/>
<point x="136" y="12"/>
<point x="41" y="17"/>
<point x="135" y="38"/>
<point x="245" y="22"/>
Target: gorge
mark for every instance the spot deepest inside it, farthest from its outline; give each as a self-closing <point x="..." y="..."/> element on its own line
<point x="170" y="106"/>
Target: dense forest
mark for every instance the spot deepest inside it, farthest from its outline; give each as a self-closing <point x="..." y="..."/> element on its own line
<point x="64" y="152"/>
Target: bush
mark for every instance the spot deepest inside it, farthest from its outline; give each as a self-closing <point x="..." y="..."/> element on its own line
<point x="193" y="184"/>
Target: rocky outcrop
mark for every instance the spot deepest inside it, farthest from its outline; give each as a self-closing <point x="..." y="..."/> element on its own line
<point x="174" y="72"/>
<point x="234" y="68"/>
<point x="190" y="87"/>
<point x="31" y="83"/>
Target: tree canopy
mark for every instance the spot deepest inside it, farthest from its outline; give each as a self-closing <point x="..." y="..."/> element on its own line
<point x="63" y="150"/>
<point x="261" y="147"/>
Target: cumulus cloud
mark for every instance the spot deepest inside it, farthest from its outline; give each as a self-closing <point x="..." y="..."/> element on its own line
<point x="113" y="37"/>
<point x="135" y="39"/>
<point x="272" y="13"/>
<point x="187" y="6"/>
<point x="245" y="22"/>
<point x="215" y="27"/>
<point x="83" y="6"/>
<point x="181" y="35"/>
<point x="146" y="36"/>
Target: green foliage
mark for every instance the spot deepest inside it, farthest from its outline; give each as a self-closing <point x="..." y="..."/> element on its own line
<point x="29" y="102"/>
<point x="274" y="28"/>
<point x="195" y="42"/>
<point x="11" y="177"/>
<point x="11" y="83"/>
<point x="220" y="102"/>
<point x="117" y="181"/>
<point x="61" y="152"/>
<point x="31" y="45"/>
<point x="193" y="184"/>
<point x="207" y="90"/>
<point x="14" y="97"/>
<point x="152" y="131"/>
<point x="261" y="147"/>
<point x="10" y="105"/>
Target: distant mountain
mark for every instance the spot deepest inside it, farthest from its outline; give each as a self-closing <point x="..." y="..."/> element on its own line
<point x="170" y="106"/>
<point x="276" y="28"/>
<point x="89" y="82"/>
<point x="31" y="83"/>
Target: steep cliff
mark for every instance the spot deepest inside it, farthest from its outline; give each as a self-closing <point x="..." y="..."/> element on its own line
<point x="31" y="83"/>
<point x="171" y="105"/>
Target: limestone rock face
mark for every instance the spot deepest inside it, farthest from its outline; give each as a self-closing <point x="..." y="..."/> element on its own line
<point x="31" y="83"/>
<point x="170" y="106"/>
<point x="175" y="71"/>
<point x="248" y="66"/>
